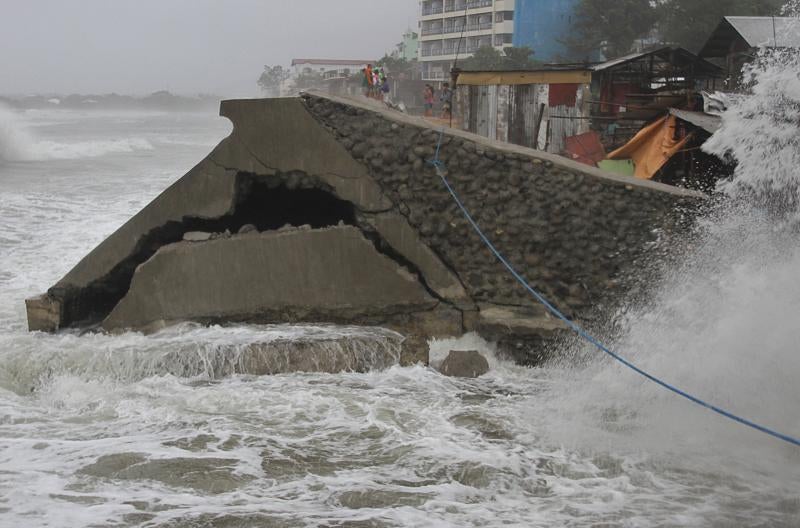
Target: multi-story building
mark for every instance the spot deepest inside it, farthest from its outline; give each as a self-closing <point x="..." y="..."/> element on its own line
<point x="322" y="70"/>
<point x="328" y="68"/>
<point x="409" y="48"/>
<point x="450" y="28"/>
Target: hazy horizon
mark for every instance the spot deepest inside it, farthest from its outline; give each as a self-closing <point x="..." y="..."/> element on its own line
<point x="183" y="46"/>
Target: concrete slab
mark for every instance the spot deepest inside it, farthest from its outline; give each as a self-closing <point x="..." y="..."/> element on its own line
<point x="325" y="275"/>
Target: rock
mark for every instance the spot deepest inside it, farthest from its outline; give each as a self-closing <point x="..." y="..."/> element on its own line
<point x="414" y="350"/>
<point x="464" y="364"/>
<point x="196" y="236"/>
<point x="247" y="228"/>
<point x="224" y="234"/>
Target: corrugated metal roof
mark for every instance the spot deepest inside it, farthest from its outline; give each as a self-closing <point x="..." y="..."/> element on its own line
<point x="620" y="60"/>
<point x="676" y="55"/>
<point x="782" y="32"/>
<point x="760" y="31"/>
<point x="709" y="123"/>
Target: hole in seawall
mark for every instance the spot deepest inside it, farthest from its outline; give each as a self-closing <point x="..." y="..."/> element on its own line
<point x="268" y="203"/>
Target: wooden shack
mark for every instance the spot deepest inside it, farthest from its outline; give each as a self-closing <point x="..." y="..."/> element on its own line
<point x="543" y="108"/>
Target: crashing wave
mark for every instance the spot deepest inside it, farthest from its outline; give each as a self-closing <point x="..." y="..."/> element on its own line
<point x="18" y="144"/>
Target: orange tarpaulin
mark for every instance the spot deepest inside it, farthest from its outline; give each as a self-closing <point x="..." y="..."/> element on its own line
<point x="651" y="147"/>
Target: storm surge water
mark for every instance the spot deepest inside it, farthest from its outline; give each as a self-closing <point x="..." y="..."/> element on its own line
<point x="163" y="430"/>
<point x="18" y="142"/>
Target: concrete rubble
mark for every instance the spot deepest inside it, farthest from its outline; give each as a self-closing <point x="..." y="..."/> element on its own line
<point x="464" y="364"/>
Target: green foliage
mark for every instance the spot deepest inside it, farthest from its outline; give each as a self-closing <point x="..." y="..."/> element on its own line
<point x="689" y="23"/>
<point x="485" y="58"/>
<point x="307" y="81"/>
<point x="271" y="79"/>
<point x="488" y="58"/>
<point x="610" y="26"/>
<point x="397" y="66"/>
<point x="520" y="58"/>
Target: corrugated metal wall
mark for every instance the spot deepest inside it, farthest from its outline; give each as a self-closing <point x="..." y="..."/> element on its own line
<point x="510" y="113"/>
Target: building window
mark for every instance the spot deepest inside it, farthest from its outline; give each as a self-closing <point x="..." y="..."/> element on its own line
<point x="503" y="16"/>
<point x="502" y="39"/>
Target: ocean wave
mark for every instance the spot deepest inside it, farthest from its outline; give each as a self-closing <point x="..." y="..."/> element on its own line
<point x="19" y="144"/>
<point x="44" y="150"/>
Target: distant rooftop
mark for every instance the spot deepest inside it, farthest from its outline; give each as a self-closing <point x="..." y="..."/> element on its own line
<point x="332" y="62"/>
<point x="757" y="32"/>
<point x="677" y="56"/>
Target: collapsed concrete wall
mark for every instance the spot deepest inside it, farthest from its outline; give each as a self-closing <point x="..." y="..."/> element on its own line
<point x="382" y="242"/>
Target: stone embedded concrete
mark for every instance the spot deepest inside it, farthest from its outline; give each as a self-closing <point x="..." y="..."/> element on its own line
<point x="575" y="232"/>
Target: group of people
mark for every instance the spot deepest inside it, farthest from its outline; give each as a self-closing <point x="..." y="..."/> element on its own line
<point x="375" y="82"/>
<point x="445" y="97"/>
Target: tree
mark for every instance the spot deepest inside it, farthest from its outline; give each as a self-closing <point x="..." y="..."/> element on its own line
<point x="485" y="58"/>
<point x="689" y="23"/>
<point x="272" y="78"/>
<point x="488" y="58"/>
<point x="308" y="80"/>
<point x="610" y="26"/>
<point x="397" y="66"/>
<point x="520" y="58"/>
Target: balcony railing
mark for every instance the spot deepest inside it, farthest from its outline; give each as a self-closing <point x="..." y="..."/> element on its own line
<point x="479" y="27"/>
<point x="432" y="31"/>
<point x="453" y="29"/>
<point x="461" y="6"/>
<point x="437" y="52"/>
<point x="434" y="10"/>
<point x="455" y="7"/>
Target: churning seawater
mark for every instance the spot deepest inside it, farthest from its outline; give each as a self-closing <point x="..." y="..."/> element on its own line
<point x="98" y="430"/>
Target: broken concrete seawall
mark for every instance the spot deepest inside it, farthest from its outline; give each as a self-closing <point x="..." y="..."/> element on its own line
<point x="352" y="226"/>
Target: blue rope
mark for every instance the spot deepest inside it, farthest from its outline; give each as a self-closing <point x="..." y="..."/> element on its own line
<point x="439" y="165"/>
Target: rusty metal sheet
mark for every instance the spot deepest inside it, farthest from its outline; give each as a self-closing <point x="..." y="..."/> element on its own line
<point x="510" y="78"/>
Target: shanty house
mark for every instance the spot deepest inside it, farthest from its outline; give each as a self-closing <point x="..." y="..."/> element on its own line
<point x="591" y="106"/>
<point x="532" y="108"/>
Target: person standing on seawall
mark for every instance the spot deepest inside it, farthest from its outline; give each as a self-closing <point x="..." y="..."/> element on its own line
<point x="365" y="82"/>
<point x="447" y="101"/>
<point x="427" y="95"/>
<point x="368" y="76"/>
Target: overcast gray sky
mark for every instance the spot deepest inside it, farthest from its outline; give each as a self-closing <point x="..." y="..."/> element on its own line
<point x="185" y="46"/>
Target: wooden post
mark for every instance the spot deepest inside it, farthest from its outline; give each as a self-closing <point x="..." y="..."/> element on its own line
<point x="538" y="126"/>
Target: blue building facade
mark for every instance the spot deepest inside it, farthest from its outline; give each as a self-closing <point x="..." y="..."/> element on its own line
<point x="542" y="25"/>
